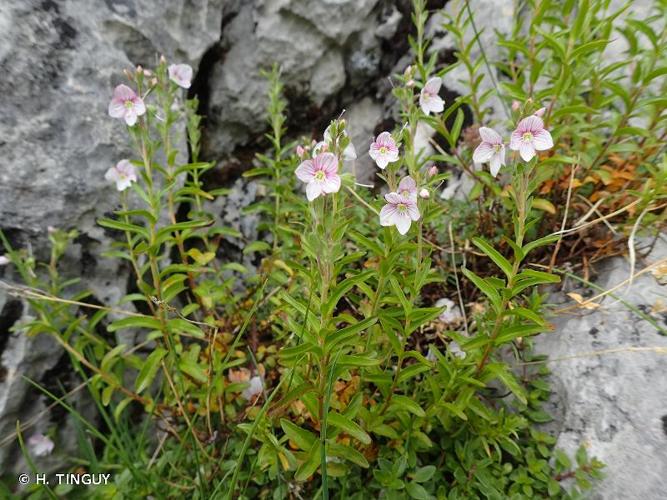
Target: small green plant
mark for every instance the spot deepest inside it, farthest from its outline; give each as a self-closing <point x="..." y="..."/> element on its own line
<point x="327" y="371"/>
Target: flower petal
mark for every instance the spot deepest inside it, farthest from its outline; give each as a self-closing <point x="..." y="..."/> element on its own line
<point x="139" y="107"/>
<point x="531" y="123"/>
<point x="116" y="108"/>
<point x="483" y="153"/>
<point x="387" y="215"/>
<point x="489" y="135"/>
<point x="130" y="117"/>
<point x="350" y="152"/>
<point x="306" y="171"/>
<point x="112" y="175"/>
<point x="494" y="165"/>
<point x="327" y="162"/>
<point x="413" y="211"/>
<point x="515" y="140"/>
<point x="331" y="184"/>
<point x="393" y="198"/>
<point x="313" y="190"/>
<point x="433" y="85"/>
<point x="123" y="93"/>
<point x="542" y="140"/>
<point x="402" y="223"/>
<point x="407" y="184"/>
<point x="526" y="150"/>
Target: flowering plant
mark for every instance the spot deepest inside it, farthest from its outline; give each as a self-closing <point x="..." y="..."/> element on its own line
<point x="381" y="345"/>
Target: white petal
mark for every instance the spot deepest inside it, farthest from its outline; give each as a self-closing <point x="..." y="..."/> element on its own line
<point x="489" y="135"/>
<point x="313" y="190"/>
<point x="494" y="165"/>
<point x="515" y="140"/>
<point x="526" y="150"/>
<point x="387" y="215"/>
<point x="413" y="212"/>
<point x="305" y="172"/>
<point x="542" y="140"/>
<point x="483" y="153"/>
<point x="130" y="117"/>
<point x="433" y="85"/>
<point x="402" y="223"/>
<point x="331" y="185"/>
<point x="116" y="109"/>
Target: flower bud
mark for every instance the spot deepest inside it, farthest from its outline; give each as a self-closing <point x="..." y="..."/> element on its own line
<point x="433" y="171"/>
<point x="516" y="105"/>
<point x="424" y="194"/>
<point x="540" y="112"/>
<point x="163" y="60"/>
<point x="4" y="260"/>
<point x="300" y="151"/>
<point x="139" y="69"/>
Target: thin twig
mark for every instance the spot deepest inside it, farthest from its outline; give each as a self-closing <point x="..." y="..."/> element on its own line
<point x="456" y="279"/>
<point x="554" y="255"/>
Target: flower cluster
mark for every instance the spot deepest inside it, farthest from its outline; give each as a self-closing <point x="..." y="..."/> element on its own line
<point x="320" y="171"/>
<point x="529" y="137"/>
<point x="128" y="105"/>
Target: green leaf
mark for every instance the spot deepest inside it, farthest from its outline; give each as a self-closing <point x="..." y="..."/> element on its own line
<point x="347" y="425"/>
<point x="501" y="372"/>
<point x="257" y="246"/>
<point x="417" y="491"/>
<point x="343" y="335"/>
<point x="484" y="287"/>
<point x="301" y="437"/>
<point x="425" y="473"/>
<point x="357" y="360"/>
<point x="123" y="226"/>
<point x="111" y="356"/>
<point x="135" y="322"/>
<point x="546" y="240"/>
<point x="406" y="404"/>
<point x="192" y="369"/>
<point x="348" y="453"/>
<point x="495" y="256"/>
<point x="310" y="464"/>
<point x="588" y="47"/>
<point x="514" y="332"/>
<point x="149" y="369"/>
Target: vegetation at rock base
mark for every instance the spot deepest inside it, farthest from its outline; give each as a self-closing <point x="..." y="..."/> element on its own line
<point x="333" y="368"/>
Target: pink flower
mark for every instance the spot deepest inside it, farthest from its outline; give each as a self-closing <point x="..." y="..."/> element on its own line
<point x="126" y="104"/>
<point x="399" y="211"/>
<point x="320" y="175"/>
<point x="181" y="75"/>
<point x="529" y="137"/>
<point x="433" y="171"/>
<point x="491" y="150"/>
<point x="429" y="100"/>
<point x="40" y="445"/>
<point x="300" y="151"/>
<point x="408" y="188"/>
<point x="384" y="150"/>
<point x="256" y="387"/>
<point x="516" y="105"/>
<point x="123" y="174"/>
<point x="540" y="112"/>
<point x="424" y="194"/>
